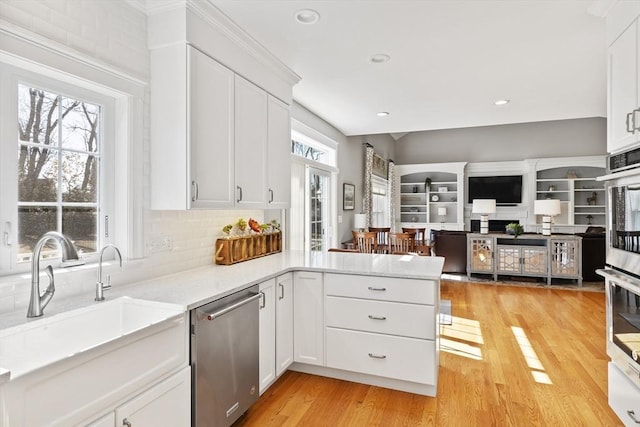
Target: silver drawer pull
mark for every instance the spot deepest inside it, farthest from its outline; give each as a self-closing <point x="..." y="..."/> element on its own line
<point x="372" y="317"/>
<point x="632" y="415"/>
<point x="371" y="288"/>
<point x="126" y="423"/>
<point x="377" y="356"/>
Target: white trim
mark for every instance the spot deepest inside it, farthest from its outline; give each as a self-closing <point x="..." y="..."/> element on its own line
<point x="30" y="51"/>
<point x="27" y="47"/>
<point x="313" y="134"/>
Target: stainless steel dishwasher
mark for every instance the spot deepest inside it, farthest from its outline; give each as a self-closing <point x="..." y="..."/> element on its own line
<point x="225" y="358"/>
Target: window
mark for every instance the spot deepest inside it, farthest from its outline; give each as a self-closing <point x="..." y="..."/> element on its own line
<point x="56" y="166"/>
<point x="58" y="169"/>
<point x="380" y="202"/>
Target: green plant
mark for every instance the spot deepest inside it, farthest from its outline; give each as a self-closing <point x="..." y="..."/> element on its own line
<point x="515" y="229"/>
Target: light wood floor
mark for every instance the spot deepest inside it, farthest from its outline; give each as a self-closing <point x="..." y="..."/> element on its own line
<point x="514" y="356"/>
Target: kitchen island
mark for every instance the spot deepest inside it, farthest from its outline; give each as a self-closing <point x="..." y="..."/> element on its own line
<point x="361" y="317"/>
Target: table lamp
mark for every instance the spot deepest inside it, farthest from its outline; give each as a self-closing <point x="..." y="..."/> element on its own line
<point x="547" y="208"/>
<point x="484" y="207"/>
<point x="360" y="222"/>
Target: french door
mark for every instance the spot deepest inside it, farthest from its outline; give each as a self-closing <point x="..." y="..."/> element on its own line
<point x="318" y="209"/>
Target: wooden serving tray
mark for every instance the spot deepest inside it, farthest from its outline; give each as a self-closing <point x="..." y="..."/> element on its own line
<point x="231" y="250"/>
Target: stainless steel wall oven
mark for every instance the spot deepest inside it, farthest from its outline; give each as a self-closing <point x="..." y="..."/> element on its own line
<point x="623" y="263"/>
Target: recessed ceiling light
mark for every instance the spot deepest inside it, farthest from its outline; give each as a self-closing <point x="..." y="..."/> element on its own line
<point x="307" y="16"/>
<point x="383" y="113"/>
<point x="379" y="58"/>
<point x="502" y="102"/>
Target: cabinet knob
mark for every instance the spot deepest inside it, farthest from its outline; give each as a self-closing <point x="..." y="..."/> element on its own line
<point x="126" y="423"/>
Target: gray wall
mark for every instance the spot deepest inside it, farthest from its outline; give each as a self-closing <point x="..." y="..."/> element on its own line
<point x="560" y="138"/>
<point x="351" y="165"/>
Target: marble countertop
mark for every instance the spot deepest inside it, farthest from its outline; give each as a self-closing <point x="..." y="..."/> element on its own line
<point x="193" y="288"/>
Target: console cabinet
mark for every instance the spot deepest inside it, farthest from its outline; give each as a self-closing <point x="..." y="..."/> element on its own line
<point x="529" y="255"/>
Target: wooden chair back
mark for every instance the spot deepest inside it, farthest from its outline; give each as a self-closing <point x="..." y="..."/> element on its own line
<point x="365" y="241"/>
<point x="401" y="242"/>
<point x="383" y="235"/>
<point x="419" y="233"/>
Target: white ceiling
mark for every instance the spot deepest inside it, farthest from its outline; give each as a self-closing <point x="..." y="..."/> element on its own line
<point x="450" y="60"/>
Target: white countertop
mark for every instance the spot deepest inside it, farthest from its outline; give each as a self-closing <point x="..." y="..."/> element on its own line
<point x="193" y="288"/>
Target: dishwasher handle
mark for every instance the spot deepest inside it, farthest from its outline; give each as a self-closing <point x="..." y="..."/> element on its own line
<point x="215" y="315"/>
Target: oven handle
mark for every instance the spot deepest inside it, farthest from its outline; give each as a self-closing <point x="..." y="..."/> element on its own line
<point x="215" y="315"/>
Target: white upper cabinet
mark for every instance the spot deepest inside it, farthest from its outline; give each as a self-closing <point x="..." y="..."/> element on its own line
<point x="211" y="132"/>
<point x="251" y="144"/>
<point x="623" y="96"/>
<point x="220" y="118"/>
<point x="278" y="154"/>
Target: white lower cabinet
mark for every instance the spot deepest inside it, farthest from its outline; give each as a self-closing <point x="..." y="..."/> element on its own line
<point x="284" y="322"/>
<point x="267" y="334"/>
<point x="624" y="397"/>
<point x="391" y="356"/>
<point x="308" y="318"/>
<point x="276" y="328"/>
<point x="383" y="327"/>
<point x="166" y="403"/>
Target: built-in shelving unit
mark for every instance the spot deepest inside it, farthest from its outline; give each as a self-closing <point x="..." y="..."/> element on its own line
<point x="431" y="195"/>
<point x="582" y="198"/>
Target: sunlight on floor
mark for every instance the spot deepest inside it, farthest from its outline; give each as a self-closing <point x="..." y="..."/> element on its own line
<point x="460" y="349"/>
<point x="461" y="329"/>
<point x="530" y="356"/>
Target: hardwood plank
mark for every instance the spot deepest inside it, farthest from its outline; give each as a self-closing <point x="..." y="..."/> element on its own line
<point x="517" y="356"/>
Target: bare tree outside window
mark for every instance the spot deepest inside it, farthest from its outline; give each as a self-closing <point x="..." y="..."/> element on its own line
<point x="58" y="161"/>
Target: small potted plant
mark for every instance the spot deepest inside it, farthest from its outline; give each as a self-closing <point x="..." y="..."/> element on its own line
<point x="515" y="229"/>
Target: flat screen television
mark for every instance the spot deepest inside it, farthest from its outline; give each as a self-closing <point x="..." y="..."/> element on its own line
<point x="507" y="190"/>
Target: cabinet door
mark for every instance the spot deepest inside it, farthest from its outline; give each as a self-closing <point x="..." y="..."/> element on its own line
<point x="250" y="144"/>
<point x="165" y="404"/>
<point x="284" y="322"/>
<point x="308" y="316"/>
<point x="566" y="258"/>
<point x="480" y="255"/>
<point x="211" y="132"/>
<point x="267" y="334"/>
<point x="278" y="155"/>
<point x="623" y="90"/>
<point x="508" y="260"/>
<point x="534" y="260"/>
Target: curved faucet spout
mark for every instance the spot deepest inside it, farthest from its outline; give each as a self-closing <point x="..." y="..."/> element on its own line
<point x="38" y="302"/>
<point x="100" y="286"/>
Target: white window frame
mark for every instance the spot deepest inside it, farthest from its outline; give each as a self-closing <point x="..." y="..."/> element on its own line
<point x="11" y="78"/>
<point x="51" y="61"/>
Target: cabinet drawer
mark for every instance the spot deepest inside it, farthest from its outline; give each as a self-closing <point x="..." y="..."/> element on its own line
<point x="410" y="320"/>
<point x="382" y="288"/>
<point x="624" y="397"/>
<point x="407" y="359"/>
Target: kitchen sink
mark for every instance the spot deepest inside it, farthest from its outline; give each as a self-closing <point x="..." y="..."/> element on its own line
<point x="40" y="343"/>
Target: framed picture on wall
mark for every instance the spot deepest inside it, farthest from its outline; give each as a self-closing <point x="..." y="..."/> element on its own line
<point x="348" y="197"/>
<point x="379" y="167"/>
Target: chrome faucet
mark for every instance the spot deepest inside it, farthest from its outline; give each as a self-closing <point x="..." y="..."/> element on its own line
<point x="100" y="286"/>
<point x="38" y="302"/>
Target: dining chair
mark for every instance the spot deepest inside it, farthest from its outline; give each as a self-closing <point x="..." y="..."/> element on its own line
<point x="365" y="241"/>
<point x="401" y="243"/>
<point x="383" y="235"/>
<point x="419" y="233"/>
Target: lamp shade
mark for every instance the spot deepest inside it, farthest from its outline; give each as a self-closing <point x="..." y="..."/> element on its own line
<point x="548" y="207"/>
<point x="359" y="221"/>
<point x="484" y="206"/>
